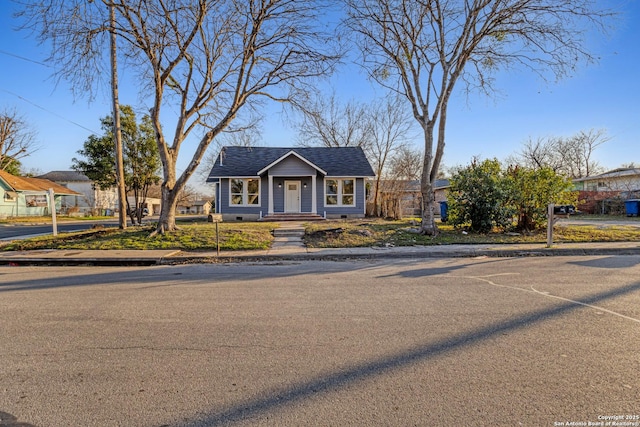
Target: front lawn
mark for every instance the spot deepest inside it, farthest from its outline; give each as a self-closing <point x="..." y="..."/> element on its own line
<point x="363" y="233"/>
<point x="234" y="236"/>
<point x="199" y="236"/>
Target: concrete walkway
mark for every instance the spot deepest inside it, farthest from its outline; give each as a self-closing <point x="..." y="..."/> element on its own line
<point x="288" y="239"/>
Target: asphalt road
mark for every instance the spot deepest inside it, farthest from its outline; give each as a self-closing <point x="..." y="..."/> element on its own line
<point x="21" y="231"/>
<point x="443" y="342"/>
<point x="17" y="231"/>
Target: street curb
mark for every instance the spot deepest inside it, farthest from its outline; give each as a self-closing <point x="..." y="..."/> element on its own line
<point x="490" y="253"/>
<point x="178" y="257"/>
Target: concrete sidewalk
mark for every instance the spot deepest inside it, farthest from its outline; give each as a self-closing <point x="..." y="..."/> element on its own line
<point x="294" y="250"/>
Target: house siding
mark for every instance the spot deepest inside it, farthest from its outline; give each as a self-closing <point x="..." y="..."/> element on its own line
<point x="292" y="167"/>
<point x="305" y="193"/>
<point x="91" y="199"/>
<point x="243" y="212"/>
<point x="18" y="207"/>
<point x="278" y="194"/>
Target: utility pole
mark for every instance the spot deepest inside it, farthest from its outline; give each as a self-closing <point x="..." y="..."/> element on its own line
<point x="117" y="134"/>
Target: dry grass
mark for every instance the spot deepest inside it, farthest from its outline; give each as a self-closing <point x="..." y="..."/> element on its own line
<point x="201" y="236"/>
<point x="191" y="236"/>
<point x="404" y="233"/>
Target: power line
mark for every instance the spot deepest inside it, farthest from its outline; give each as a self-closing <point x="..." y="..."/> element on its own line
<point x="4" y="52"/>
<point x="48" y="111"/>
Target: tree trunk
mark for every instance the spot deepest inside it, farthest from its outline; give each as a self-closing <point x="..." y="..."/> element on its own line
<point x="169" y="199"/>
<point x="376" y="211"/>
<point x="428" y="226"/>
<point x="167" y="220"/>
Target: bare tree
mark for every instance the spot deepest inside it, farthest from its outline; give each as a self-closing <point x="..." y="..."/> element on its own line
<point x="379" y="127"/>
<point x="390" y="126"/>
<point x="578" y="153"/>
<point x="245" y="136"/>
<point x="537" y="153"/>
<point x="203" y="62"/>
<point x="572" y="156"/>
<point x="17" y="139"/>
<point x="423" y="49"/>
<point x="328" y="123"/>
<point x="406" y="164"/>
<point x="404" y="169"/>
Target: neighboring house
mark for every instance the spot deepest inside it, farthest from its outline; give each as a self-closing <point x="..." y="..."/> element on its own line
<point x="621" y="179"/>
<point x="198" y="207"/>
<point x="150" y="203"/>
<point x="91" y="200"/>
<point x="402" y="198"/>
<point x="272" y="183"/>
<point x="21" y="196"/>
<point x="606" y="193"/>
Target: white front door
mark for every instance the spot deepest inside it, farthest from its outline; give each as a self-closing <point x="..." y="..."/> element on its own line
<point x="292" y="196"/>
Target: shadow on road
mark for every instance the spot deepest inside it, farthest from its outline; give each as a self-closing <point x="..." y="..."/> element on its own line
<point x="426" y="272"/>
<point x="150" y="277"/>
<point x="609" y="262"/>
<point x="8" y="420"/>
<point x="242" y="411"/>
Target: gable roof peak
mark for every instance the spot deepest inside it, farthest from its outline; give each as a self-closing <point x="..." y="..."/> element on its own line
<point x="292" y="152"/>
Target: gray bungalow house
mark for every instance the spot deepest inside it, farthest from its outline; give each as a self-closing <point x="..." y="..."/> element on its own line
<point x="279" y="183"/>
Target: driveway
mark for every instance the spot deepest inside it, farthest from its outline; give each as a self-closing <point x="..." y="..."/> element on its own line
<point x="616" y="221"/>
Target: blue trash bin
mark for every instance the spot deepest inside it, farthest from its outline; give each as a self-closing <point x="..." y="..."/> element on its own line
<point x="444" y="211"/>
<point x="631" y="207"/>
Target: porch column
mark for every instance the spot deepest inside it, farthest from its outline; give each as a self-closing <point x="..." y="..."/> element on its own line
<point x="314" y="202"/>
<point x="270" y="195"/>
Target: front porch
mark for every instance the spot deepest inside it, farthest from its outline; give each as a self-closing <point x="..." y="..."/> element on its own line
<point x="290" y="196"/>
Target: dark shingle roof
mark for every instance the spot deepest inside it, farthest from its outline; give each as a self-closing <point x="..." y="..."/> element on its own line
<point x="65" y="176"/>
<point x="335" y="161"/>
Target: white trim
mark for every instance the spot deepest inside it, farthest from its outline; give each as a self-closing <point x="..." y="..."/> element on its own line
<point x="272" y="164"/>
<point x="314" y="195"/>
<point x="270" y="195"/>
<point x="218" y="199"/>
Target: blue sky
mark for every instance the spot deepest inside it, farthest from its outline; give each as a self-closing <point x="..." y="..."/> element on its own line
<point x="601" y="96"/>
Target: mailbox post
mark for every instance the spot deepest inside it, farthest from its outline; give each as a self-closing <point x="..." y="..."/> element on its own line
<point x="553" y="214"/>
<point x="550" y="221"/>
<point x="216" y="218"/>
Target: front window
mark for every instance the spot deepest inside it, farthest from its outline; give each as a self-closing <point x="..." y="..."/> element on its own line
<point x="348" y="191"/>
<point x="244" y="192"/>
<point x="340" y="192"/>
<point x="332" y="191"/>
<point x="10" y="196"/>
